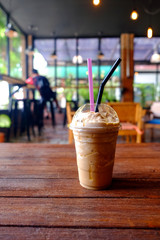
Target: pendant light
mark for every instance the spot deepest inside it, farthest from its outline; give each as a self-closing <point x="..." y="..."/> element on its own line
<point x="155" y="58"/>
<point x="10" y="31"/>
<point x="134" y="15"/>
<point x="96" y="2"/>
<point x="149" y="32"/>
<point x="30" y="49"/>
<point x="100" y="55"/>
<point x="53" y="55"/>
<point x="77" y="59"/>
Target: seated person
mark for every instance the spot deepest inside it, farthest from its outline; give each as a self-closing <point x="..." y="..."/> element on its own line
<point x="42" y="85"/>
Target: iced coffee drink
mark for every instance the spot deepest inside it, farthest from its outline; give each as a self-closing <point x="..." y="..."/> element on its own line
<point x="95" y="135"/>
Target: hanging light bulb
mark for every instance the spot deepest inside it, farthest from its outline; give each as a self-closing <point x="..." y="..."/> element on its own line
<point x="100" y="55"/>
<point x="96" y="2"/>
<point x="77" y="59"/>
<point x="149" y="32"/>
<point x="134" y="15"/>
<point x="11" y="31"/>
<point x="53" y="55"/>
<point x="155" y="58"/>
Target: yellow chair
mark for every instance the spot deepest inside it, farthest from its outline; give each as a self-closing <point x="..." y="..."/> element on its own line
<point x="70" y="115"/>
<point x="130" y="115"/>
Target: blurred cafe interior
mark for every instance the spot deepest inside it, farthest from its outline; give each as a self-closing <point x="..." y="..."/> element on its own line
<point x="56" y="38"/>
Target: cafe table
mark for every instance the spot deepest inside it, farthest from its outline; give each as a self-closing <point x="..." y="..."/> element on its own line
<point x="40" y="196"/>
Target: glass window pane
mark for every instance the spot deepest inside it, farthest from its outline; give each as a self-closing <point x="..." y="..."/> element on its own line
<point x="144" y="48"/>
<point x="3" y="44"/>
<point x="110" y="47"/>
<point x="146" y="88"/>
<point x="88" y="48"/>
<point x="15" y="56"/>
<point x="4" y="95"/>
<point x="66" y="49"/>
<point x="67" y="72"/>
<point x="44" y="47"/>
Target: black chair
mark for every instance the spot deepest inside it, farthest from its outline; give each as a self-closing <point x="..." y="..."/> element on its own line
<point x="41" y="105"/>
<point x="22" y="118"/>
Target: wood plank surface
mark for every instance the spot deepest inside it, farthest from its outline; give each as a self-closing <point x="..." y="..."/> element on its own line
<point x="80" y="212"/>
<point x="50" y="151"/>
<point x="12" y="80"/>
<point x="37" y="171"/>
<point x="41" y="198"/>
<point x="120" y="170"/>
<point x="19" y="233"/>
<point x="120" y="188"/>
<point x="50" y="161"/>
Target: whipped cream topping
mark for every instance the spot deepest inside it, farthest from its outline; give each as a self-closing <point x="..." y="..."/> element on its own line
<point x="84" y="118"/>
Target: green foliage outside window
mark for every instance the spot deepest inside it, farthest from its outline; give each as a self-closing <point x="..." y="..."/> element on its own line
<point x="15" y="50"/>
<point x="108" y="94"/>
<point x="15" y="56"/>
<point x="3" y="44"/>
<point x="145" y="94"/>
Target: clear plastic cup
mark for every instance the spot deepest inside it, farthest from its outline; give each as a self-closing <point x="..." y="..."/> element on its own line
<point x="95" y="137"/>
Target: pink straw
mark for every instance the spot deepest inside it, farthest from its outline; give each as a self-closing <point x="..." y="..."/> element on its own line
<point x="90" y="84"/>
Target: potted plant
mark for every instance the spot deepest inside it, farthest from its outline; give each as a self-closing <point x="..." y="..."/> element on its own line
<point x="5" y="122"/>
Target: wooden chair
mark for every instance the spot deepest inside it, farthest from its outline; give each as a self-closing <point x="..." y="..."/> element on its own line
<point x="130" y="115"/>
<point x="70" y="115"/>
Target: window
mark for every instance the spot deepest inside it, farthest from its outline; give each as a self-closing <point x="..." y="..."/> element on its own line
<point x="15" y="56"/>
<point x="146" y="74"/>
<point x="73" y="81"/>
<point x="3" y="44"/>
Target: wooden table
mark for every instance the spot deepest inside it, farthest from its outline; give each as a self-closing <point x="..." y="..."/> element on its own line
<point x="40" y="196"/>
<point x="16" y="82"/>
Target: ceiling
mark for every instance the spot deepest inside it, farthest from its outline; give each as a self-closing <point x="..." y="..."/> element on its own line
<point x="67" y="18"/>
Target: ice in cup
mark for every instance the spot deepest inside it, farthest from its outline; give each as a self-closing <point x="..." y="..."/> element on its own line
<point x="95" y="135"/>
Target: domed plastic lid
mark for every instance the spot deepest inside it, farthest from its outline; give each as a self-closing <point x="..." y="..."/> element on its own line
<point x="106" y="117"/>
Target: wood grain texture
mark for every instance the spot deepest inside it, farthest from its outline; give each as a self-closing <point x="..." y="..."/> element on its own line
<point x="120" y="188"/>
<point x="19" y="233"/>
<point x="80" y="212"/>
<point x="40" y="195"/>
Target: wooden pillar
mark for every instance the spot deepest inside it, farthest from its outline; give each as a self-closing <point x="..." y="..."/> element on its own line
<point x="127" y="66"/>
<point x="30" y="56"/>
